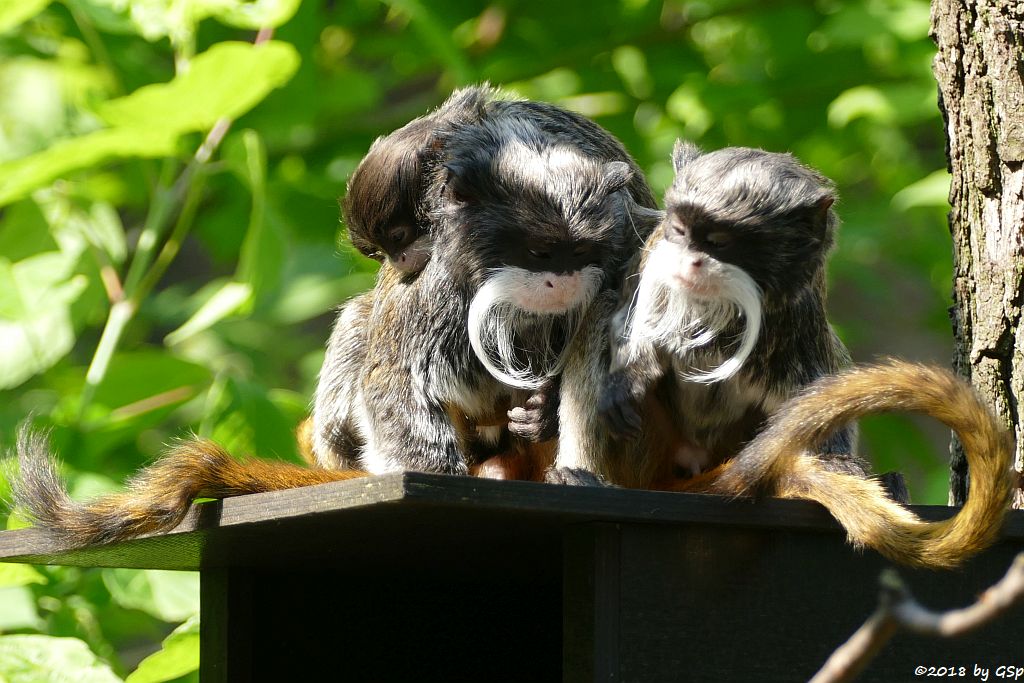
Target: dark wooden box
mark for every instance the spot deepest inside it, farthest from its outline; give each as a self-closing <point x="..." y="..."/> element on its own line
<point x="417" y="577"/>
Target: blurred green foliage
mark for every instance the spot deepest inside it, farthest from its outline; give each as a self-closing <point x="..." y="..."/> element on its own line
<point x="157" y="278"/>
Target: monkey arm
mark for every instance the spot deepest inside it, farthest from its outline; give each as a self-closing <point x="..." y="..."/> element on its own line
<point x="640" y="366"/>
<point x="334" y="439"/>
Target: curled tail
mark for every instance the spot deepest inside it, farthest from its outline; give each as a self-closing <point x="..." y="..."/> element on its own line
<point x="778" y="461"/>
<point x="156" y="498"/>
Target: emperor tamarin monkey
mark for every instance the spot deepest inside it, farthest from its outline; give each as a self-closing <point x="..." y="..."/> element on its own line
<point x="527" y="232"/>
<point x="722" y="320"/>
<point x="723" y="323"/>
<point x="395" y="189"/>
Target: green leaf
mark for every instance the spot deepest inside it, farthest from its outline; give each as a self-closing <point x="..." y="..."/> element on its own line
<point x="178" y="655"/>
<point x="225" y="302"/>
<point x="14" y="12"/>
<point x="254" y="424"/>
<point x="19" y="574"/>
<point x="167" y="595"/>
<point x="21" y="176"/>
<point x="138" y="381"/>
<point x="863" y="101"/>
<point x="932" y="190"/>
<point x="260" y="263"/>
<point x="226" y="81"/>
<point x="258" y="13"/>
<point x="18" y="609"/>
<point x="43" y="659"/>
<point x="685" y="106"/>
<point x="35" y="316"/>
<point x="24" y="232"/>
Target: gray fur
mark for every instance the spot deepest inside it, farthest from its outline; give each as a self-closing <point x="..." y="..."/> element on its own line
<point x="773" y="217"/>
<point x="525" y="174"/>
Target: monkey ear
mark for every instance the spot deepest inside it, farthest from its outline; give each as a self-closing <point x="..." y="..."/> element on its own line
<point x="820" y="212"/>
<point x="683" y="152"/>
<point x="616" y="175"/>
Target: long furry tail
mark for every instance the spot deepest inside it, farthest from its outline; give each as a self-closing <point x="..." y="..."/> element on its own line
<point x="778" y="461"/>
<point x="156" y="499"/>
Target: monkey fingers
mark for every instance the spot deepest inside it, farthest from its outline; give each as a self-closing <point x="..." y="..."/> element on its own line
<point x="619" y="409"/>
<point x="537" y="419"/>
<point x="574" y="476"/>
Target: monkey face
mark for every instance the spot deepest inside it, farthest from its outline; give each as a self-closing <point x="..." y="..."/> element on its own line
<point x="531" y="226"/>
<point x="764" y="213"/>
<point x="384" y="192"/>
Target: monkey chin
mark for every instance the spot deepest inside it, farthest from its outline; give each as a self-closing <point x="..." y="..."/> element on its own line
<point x="676" y="308"/>
<point x="517" y="309"/>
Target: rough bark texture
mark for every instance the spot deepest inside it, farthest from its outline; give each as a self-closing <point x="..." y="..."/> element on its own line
<point x="980" y="72"/>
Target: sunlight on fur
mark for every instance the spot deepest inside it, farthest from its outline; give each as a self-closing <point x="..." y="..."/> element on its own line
<point x="497" y="322"/>
<point x="666" y="313"/>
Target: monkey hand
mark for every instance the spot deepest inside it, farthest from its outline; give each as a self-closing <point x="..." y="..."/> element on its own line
<point x="574" y="476"/>
<point x="537" y="419"/>
<point x="619" y="408"/>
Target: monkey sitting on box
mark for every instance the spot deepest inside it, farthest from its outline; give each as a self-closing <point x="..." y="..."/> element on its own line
<point x="721" y="323"/>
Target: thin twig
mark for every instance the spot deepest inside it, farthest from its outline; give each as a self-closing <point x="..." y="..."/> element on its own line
<point x="899" y="611"/>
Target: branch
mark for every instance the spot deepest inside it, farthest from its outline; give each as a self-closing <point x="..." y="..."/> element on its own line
<point x="897" y="610"/>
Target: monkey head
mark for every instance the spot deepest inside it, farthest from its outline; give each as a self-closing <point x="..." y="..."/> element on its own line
<point x="380" y="205"/>
<point x="743" y="228"/>
<point x="533" y="227"/>
<point x="383" y="205"/>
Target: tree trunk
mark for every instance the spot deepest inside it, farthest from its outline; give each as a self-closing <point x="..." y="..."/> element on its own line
<point x="980" y="72"/>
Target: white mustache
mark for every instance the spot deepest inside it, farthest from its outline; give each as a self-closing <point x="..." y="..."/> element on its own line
<point x="496" y="321"/>
<point x="664" y="312"/>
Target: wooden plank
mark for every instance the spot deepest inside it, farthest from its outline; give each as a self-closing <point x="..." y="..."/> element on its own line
<point x="591" y="602"/>
<point x="228" y="625"/>
<point x="699" y="602"/>
<point x="261" y="529"/>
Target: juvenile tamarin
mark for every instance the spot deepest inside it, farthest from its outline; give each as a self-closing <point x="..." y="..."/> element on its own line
<point x="582" y="207"/>
<point x="384" y="206"/>
<point x="383" y="203"/>
<point x="723" y="323"/>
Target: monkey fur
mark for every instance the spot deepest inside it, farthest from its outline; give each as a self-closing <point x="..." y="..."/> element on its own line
<point x="533" y="226"/>
<point x="385" y="202"/>
<point x="776" y="462"/>
<point x="721" y="319"/>
<point x="783" y="459"/>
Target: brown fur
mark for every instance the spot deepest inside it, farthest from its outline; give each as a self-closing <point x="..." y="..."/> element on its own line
<point x="304" y="441"/>
<point x="778" y="462"/>
<point x="157" y="497"/>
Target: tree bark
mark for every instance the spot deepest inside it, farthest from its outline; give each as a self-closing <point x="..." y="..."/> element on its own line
<point x="980" y="73"/>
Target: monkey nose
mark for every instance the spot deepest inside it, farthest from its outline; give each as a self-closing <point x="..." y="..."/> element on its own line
<point x="697" y="262"/>
<point x="549" y="284"/>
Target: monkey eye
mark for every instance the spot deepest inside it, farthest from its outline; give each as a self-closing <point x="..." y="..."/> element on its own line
<point x="581" y="249"/>
<point x="718" y="239"/>
<point x="539" y="252"/>
<point x="399" y="234"/>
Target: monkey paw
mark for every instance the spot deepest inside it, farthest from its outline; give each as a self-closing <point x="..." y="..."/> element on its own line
<point x="537" y="419"/>
<point x="574" y="476"/>
<point x="620" y="411"/>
